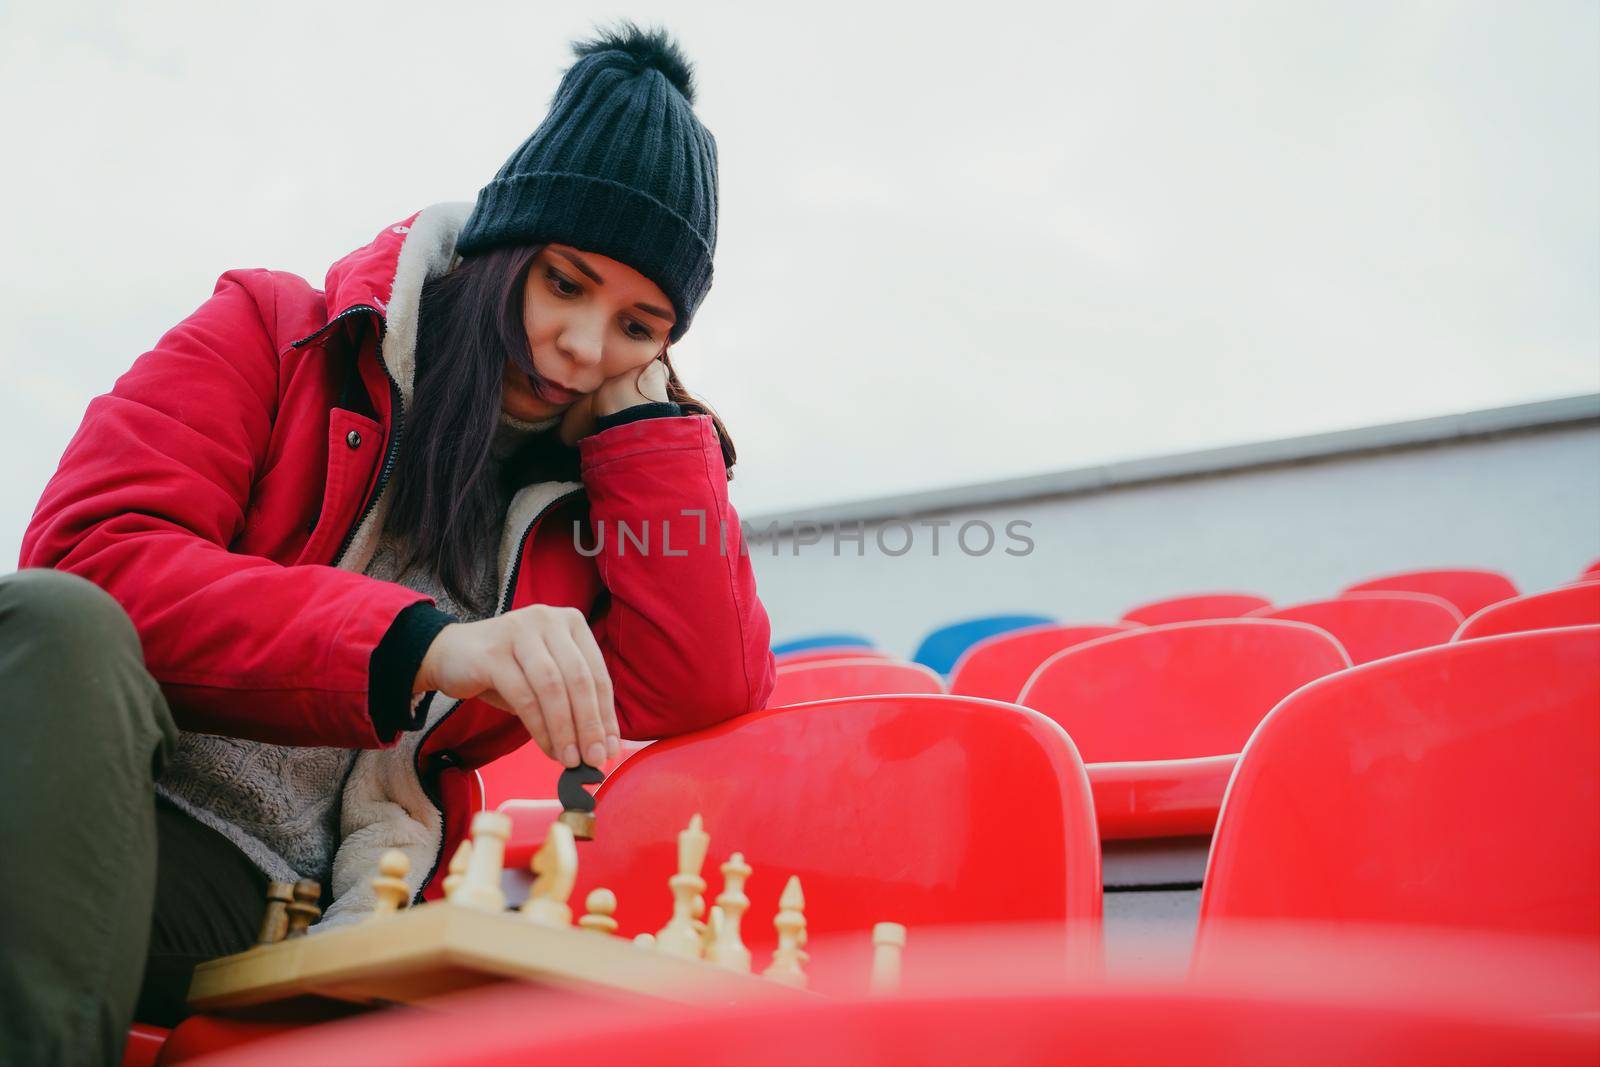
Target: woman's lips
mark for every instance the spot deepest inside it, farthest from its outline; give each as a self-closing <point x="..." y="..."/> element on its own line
<point x="553" y="392"/>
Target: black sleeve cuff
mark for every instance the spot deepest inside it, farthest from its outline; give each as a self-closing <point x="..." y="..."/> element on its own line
<point x="394" y="665"/>
<point x="635" y="413"/>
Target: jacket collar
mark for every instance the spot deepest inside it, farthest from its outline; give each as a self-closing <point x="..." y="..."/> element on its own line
<point x="385" y="277"/>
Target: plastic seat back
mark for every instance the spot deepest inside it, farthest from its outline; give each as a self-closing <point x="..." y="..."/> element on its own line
<point x="1456" y="786"/>
<point x="1374" y="625"/>
<point x="812" y="655"/>
<point x="941" y="648"/>
<point x="801" y="644"/>
<point x="1468" y="589"/>
<point x="996" y="667"/>
<point x="826" y="679"/>
<point x="1179" y="691"/>
<point x="1570" y="605"/>
<point x="1195" y="608"/>
<point x="911" y="809"/>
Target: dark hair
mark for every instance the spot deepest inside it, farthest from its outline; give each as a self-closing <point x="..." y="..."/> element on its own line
<point x="446" y="502"/>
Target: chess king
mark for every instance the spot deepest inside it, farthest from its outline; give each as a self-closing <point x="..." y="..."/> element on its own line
<point x="321" y="552"/>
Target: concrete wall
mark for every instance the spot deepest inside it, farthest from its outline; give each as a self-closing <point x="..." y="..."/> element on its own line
<point x="1517" y="489"/>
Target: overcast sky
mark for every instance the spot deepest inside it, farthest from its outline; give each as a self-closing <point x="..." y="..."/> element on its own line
<point x="988" y="241"/>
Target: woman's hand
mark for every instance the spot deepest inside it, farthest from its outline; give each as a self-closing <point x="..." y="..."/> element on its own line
<point x="645" y="384"/>
<point x="540" y="663"/>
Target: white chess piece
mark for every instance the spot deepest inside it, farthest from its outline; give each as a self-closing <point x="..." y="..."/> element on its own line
<point x="679" y="937"/>
<point x="556" y="865"/>
<point x="791" y="923"/>
<point x="480" y="888"/>
<point x="599" y="907"/>
<point x="458" y="868"/>
<point x="390" y="885"/>
<point x="888" y="941"/>
<point x="727" y="947"/>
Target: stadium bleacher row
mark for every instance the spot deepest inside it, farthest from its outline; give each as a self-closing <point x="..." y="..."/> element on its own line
<point x="1418" y="755"/>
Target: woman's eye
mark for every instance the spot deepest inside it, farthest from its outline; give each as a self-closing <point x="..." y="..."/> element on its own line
<point x="564" y="287"/>
<point x="639" y="332"/>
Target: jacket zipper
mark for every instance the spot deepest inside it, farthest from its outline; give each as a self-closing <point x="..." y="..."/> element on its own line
<point x="396" y="420"/>
<point x="505" y="605"/>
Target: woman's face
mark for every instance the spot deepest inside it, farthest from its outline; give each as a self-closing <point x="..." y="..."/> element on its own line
<point x="588" y="318"/>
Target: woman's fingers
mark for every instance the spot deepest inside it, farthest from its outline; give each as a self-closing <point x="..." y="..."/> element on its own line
<point x="586" y="716"/>
<point x="551" y="686"/>
<point x="605" y="697"/>
<point x="514" y="690"/>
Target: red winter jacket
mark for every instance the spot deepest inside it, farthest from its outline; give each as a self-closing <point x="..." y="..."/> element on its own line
<point x="226" y="499"/>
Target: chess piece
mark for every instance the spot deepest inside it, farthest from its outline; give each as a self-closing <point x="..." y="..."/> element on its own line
<point x="458" y="868"/>
<point x="577" y="803"/>
<point x="727" y="947"/>
<point x="275" y="923"/>
<point x="888" y="941"/>
<point x="679" y="937"/>
<point x="600" y="906"/>
<point x="303" y="909"/>
<point x="697" y="918"/>
<point x="710" y="930"/>
<point x="480" y="886"/>
<point x="390" y="885"/>
<point x="645" y="940"/>
<point x="791" y="923"/>
<point x="556" y="865"/>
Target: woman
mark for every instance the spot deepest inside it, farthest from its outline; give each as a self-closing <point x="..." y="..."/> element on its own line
<point x="360" y="541"/>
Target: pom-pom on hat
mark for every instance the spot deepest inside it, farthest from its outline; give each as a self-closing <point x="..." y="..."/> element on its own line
<point x="620" y="167"/>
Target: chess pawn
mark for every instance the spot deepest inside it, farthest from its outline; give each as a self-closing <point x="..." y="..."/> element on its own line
<point x="710" y="930"/>
<point x="556" y="865"/>
<point x="727" y="947"/>
<point x="275" y="923"/>
<point x="697" y="919"/>
<point x="888" y="941"/>
<point x="600" y="906"/>
<point x="480" y="887"/>
<point x="645" y="940"/>
<point x="679" y="937"/>
<point x="458" y="868"/>
<point x="791" y="923"/>
<point x="303" y="909"/>
<point x="390" y="885"/>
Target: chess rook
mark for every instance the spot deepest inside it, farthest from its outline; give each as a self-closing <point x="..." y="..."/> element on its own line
<point x="480" y="887"/>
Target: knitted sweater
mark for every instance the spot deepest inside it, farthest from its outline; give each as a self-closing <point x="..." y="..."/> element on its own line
<point x="280" y="803"/>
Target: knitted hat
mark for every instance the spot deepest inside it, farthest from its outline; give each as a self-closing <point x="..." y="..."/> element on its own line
<point x="620" y="167"/>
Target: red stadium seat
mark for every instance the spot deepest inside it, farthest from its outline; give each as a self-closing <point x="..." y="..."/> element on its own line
<point x="826" y="679"/>
<point x="1467" y="589"/>
<point x="1194" y="608"/>
<point x="144" y="1045"/>
<point x="1456" y="787"/>
<point x="921" y="810"/>
<point x="1569" y="605"/>
<point x="1374" y="625"/>
<point x="812" y="655"/>
<point x="1158" y="714"/>
<point x="996" y="667"/>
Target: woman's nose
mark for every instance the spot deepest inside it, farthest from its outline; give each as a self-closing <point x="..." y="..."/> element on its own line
<point x="582" y="341"/>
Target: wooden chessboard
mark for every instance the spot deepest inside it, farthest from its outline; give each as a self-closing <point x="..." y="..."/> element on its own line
<point x="439" y="948"/>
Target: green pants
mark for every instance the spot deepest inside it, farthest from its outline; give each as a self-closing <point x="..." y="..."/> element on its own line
<point x="109" y="898"/>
